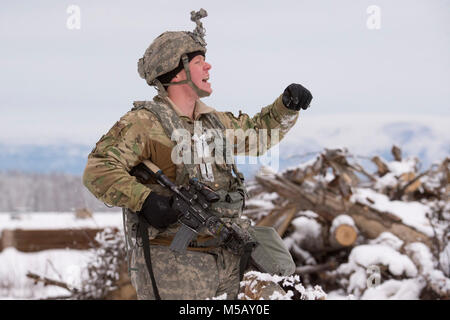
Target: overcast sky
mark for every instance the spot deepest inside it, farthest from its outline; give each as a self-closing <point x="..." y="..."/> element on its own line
<point x="60" y="83"/>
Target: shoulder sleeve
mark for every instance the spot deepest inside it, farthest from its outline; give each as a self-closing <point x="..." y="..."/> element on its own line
<point x="267" y="127"/>
<point x="124" y="146"/>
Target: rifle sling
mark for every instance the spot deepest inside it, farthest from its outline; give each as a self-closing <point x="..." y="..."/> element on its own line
<point x="143" y="225"/>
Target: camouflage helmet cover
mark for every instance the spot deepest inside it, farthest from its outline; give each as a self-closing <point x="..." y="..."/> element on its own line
<point x="165" y="52"/>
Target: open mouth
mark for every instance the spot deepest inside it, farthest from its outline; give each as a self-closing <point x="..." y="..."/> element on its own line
<point x="206" y="79"/>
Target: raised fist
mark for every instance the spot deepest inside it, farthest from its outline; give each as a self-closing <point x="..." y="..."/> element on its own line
<point x="295" y="96"/>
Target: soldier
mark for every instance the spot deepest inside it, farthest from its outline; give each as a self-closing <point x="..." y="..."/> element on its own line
<point x="175" y="64"/>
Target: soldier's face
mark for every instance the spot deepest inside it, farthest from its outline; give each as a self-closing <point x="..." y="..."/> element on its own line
<point x="199" y="69"/>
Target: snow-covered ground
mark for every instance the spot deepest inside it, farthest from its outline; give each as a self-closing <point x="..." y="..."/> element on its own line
<point x="62" y="265"/>
<point x="66" y="265"/>
<point x="56" y="220"/>
<point x="412" y="266"/>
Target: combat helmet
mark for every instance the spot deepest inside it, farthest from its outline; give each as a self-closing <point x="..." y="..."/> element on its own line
<point x="166" y="51"/>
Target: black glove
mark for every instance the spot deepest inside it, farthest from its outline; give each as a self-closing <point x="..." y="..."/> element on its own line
<point x="158" y="211"/>
<point x="295" y="96"/>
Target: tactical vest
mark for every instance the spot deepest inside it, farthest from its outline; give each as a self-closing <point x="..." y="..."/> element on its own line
<point x="230" y="187"/>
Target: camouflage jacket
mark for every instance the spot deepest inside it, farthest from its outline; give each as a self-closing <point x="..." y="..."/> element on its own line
<point x="139" y="136"/>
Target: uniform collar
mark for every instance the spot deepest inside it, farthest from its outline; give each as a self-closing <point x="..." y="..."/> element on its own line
<point x="199" y="108"/>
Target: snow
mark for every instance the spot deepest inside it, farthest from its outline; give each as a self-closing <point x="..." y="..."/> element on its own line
<point x="264" y="170"/>
<point x="397" y="169"/>
<point x="368" y="255"/>
<point x="221" y="297"/>
<point x="422" y="256"/>
<point x="364" y="267"/>
<point x="341" y="219"/>
<point x="65" y="265"/>
<point x="444" y="259"/>
<point x="269" y="196"/>
<point x="261" y="204"/>
<point x="400" y="167"/>
<point x="264" y="276"/>
<point x="306" y="228"/>
<point x="388" y="180"/>
<point x="413" y="214"/>
<point x="51" y="220"/>
<point x="408" y="289"/>
<point x="357" y="281"/>
<point x="302" y="165"/>
<point x="308" y="214"/>
<point x="388" y="239"/>
<point x="339" y="295"/>
<point x="279" y="296"/>
<point x="263" y="201"/>
<point x="59" y="264"/>
<point x="413" y="262"/>
<point x="309" y="293"/>
<point x="307" y="234"/>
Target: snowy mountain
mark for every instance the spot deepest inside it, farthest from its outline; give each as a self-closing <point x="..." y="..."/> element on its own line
<point x="427" y="137"/>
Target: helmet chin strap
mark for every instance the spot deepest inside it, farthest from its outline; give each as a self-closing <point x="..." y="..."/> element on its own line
<point x="201" y="93"/>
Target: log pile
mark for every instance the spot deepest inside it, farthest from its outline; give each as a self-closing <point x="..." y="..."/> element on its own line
<point x="328" y="207"/>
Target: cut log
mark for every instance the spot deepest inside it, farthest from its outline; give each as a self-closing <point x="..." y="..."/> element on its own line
<point x="345" y="235"/>
<point x="343" y="232"/>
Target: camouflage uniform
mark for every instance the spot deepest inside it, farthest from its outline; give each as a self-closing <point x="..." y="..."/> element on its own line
<point x="139" y="136"/>
<point x="205" y="270"/>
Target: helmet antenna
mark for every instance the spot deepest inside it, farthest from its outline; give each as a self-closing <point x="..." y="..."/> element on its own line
<point x="199" y="31"/>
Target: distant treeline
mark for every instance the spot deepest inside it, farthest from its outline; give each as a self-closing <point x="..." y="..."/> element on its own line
<point x="38" y="192"/>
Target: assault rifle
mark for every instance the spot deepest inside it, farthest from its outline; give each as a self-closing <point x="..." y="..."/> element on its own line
<point x="194" y="203"/>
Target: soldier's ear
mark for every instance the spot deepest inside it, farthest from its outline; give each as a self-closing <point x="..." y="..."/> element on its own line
<point x="178" y="75"/>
